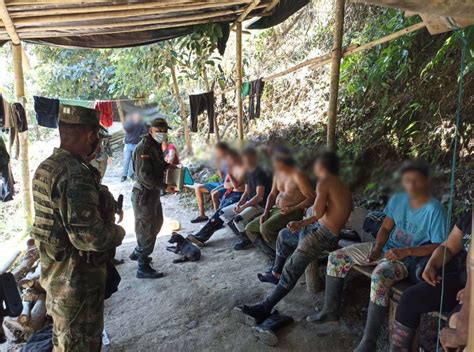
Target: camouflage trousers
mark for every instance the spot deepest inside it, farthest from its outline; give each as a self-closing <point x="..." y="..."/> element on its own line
<point x="148" y="219"/>
<point x="77" y="324"/>
<point x="312" y="242"/>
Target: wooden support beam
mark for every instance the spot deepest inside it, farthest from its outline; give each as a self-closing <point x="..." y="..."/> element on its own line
<point x="271" y="6"/>
<point x="23" y="136"/>
<point x="8" y="24"/>
<point x="238" y="87"/>
<point x="335" y="69"/>
<point x="470" y="281"/>
<point x="246" y="12"/>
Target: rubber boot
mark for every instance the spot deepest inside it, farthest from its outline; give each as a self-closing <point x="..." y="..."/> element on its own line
<point x="206" y="232"/>
<point x="277" y="269"/>
<point x="243" y="243"/>
<point x="332" y="302"/>
<point x="265" y="248"/>
<point x="266" y="331"/>
<point x="402" y="338"/>
<point x="145" y="271"/>
<point x="375" y="318"/>
<point x="256" y="314"/>
<point x="231" y="226"/>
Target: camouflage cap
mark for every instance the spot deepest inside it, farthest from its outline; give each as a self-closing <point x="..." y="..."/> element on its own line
<point x="78" y="115"/>
<point x="160" y="123"/>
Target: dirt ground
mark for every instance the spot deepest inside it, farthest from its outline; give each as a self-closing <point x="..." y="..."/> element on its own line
<point x="189" y="309"/>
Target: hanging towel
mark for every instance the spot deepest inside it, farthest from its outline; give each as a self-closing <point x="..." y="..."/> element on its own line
<point x="198" y="103"/>
<point x="90" y="104"/>
<point x="8" y="111"/>
<point x="245" y="89"/>
<point x="47" y="111"/>
<point x="21" y="121"/>
<point x="256" y="90"/>
<point x="106" y="114"/>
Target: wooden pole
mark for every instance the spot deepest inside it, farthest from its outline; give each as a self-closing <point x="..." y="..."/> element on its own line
<point x="23" y="136"/>
<point x="470" y="281"/>
<point x="238" y="88"/>
<point x="335" y="68"/>
<point x="182" y="110"/>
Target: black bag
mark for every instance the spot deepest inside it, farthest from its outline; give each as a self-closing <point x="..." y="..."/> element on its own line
<point x="372" y="222"/>
<point x="112" y="281"/>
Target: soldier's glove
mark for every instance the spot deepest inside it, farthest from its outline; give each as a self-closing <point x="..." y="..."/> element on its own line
<point x="107" y="204"/>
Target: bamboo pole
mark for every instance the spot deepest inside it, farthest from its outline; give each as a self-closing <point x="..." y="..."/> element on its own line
<point x="23" y="136"/>
<point x="182" y="110"/>
<point x="238" y="88"/>
<point x="335" y="69"/>
<point x="470" y="337"/>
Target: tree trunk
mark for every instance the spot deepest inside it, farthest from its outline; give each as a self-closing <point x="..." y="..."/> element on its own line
<point x="238" y="88"/>
<point x="182" y="110"/>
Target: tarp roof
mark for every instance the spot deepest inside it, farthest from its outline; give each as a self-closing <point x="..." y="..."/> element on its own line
<point x="106" y="24"/>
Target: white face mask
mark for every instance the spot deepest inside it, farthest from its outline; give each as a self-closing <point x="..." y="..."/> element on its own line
<point x="160" y="137"/>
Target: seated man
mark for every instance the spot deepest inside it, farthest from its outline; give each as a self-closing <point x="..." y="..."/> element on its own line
<point x="415" y="224"/>
<point x="434" y="292"/>
<point x="236" y="178"/>
<point x="290" y="195"/>
<point x="330" y="212"/>
<point x="326" y="170"/>
<point x="215" y="188"/>
<point x="250" y="205"/>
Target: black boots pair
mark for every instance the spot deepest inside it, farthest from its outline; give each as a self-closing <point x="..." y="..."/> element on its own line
<point x="277" y="269"/>
<point x="145" y="271"/>
<point x="206" y="232"/>
<point x="266" y="331"/>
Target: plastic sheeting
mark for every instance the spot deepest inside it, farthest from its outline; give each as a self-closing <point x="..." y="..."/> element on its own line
<point x="281" y="13"/>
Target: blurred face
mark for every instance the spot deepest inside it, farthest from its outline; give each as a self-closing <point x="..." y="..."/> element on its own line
<point x="415" y="183"/>
<point x="231" y="160"/>
<point x="135" y="118"/>
<point x="220" y="154"/>
<point x="318" y="169"/>
<point x="250" y="161"/>
<point x="278" y="165"/>
<point x="159" y="134"/>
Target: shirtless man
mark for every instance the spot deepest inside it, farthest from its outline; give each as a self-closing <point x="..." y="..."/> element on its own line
<point x="291" y="194"/>
<point x="312" y="235"/>
<point x="235" y="185"/>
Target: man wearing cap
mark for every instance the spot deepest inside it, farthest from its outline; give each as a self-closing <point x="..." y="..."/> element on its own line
<point x="149" y="167"/>
<point x="72" y="235"/>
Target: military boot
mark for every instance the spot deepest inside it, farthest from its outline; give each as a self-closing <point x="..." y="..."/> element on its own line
<point x="145" y="271"/>
<point x="243" y="242"/>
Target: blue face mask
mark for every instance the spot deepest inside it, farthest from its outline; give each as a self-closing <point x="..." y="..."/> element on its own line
<point x="160" y="137"/>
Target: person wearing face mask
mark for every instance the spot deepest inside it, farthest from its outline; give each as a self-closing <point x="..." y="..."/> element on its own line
<point x="75" y="238"/>
<point x="149" y="167"/>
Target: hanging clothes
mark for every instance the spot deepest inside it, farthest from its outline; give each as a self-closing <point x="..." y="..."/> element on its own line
<point x="7" y="189"/>
<point x="106" y="113"/>
<point x="245" y="89"/>
<point x="256" y="90"/>
<point x="9" y="116"/>
<point x="47" y="111"/>
<point x="21" y="120"/>
<point x="198" y="103"/>
<point x="2" y="112"/>
<point x="90" y="104"/>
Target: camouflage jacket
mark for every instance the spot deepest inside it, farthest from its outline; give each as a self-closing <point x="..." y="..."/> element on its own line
<point x="72" y="236"/>
<point x="149" y="164"/>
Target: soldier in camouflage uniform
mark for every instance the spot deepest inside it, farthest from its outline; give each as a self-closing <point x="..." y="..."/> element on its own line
<point x="149" y="167"/>
<point x="74" y="230"/>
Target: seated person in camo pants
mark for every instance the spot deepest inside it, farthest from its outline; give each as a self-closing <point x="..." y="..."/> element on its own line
<point x="257" y="187"/>
<point x="415" y="224"/>
<point x="290" y="195"/>
<point x="235" y="185"/>
<point x="434" y="292"/>
<point x="312" y="236"/>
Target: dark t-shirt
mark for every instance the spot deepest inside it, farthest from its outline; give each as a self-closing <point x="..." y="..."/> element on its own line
<point x="255" y="178"/>
<point x="465" y="225"/>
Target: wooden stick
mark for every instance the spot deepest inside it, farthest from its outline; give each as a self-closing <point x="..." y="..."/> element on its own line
<point x="470" y="336"/>
<point x="246" y="12"/>
<point x="335" y="69"/>
<point x="23" y="136"/>
<point x="164" y="8"/>
<point x="108" y="15"/>
<point x="238" y="87"/>
<point x="8" y="24"/>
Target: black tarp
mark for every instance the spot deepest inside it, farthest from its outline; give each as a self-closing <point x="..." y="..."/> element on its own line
<point x="281" y="13"/>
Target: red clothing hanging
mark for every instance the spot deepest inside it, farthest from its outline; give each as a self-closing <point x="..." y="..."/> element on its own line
<point x="106" y="114"/>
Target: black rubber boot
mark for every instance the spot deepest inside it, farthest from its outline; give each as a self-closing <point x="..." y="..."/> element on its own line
<point x="332" y="302"/>
<point x="233" y="228"/>
<point x="257" y="313"/>
<point x="133" y="256"/>
<point x="265" y="248"/>
<point x="243" y="243"/>
<point x="402" y="338"/>
<point x="208" y="230"/>
<point x="266" y="331"/>
<point x="145" y="271"/>
<point x="375" y="318"/>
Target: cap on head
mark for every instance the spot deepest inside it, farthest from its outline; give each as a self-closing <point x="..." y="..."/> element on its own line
<point x="78" y="115"/>
<point x="160" y="123"/>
